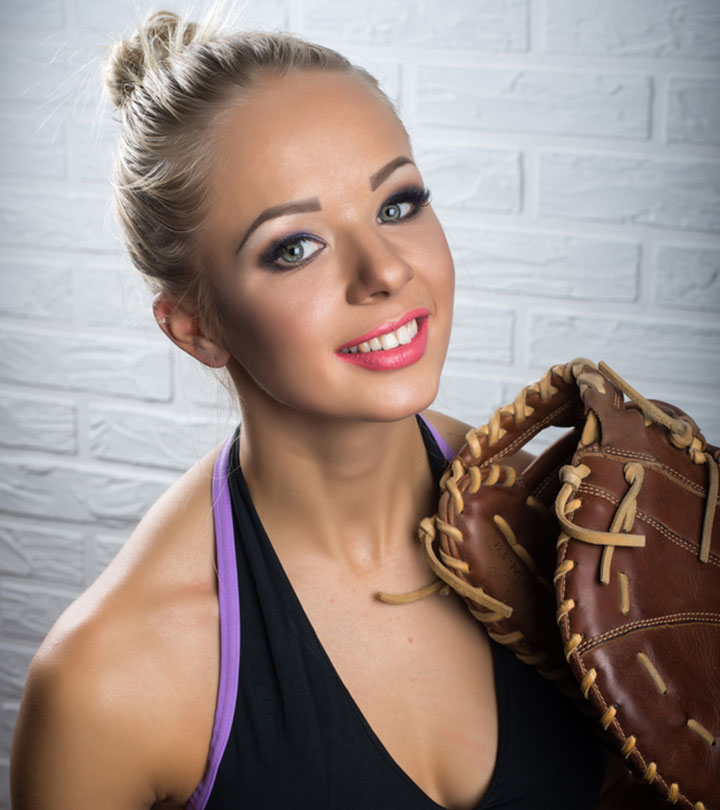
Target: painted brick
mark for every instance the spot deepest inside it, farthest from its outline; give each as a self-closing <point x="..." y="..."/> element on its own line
<point x="56" y="554"/>
<point x="92" y="145"/>
<point x="480" y="334"/>
<point x="77" y="493"/>
<point x="86" y="362"/>
<point x="41" y="423"/>
<point x="28" y="611"/>
<point x="36" y="288"/>
<point x="122" y="18"/>
<point x="704" y="412"/>
<point x="112" y="291"/>
<point x="634" y="190"/>
<point x="114" y="18"/>
<point x="492" y="25"/>
<point x="694" y="111"/>
<point x="8" y="717"/>
<point x="470" y="398"/>
<point x="472" y="179"/>
<point x="68" y="218"/>
<point x="153" y="438"/>
<point x="14" y="665"/>
<point x="29" y="149"/>
<point x="35" y="73"/>
<point x="687" y="29"/>
<point x="688" y="277"/>
<point x="545" y="265"/>
<point x="103" y="551"/>
<point x="4" y="786"/>
<point x="197" y="384"/>
<point x="273" y="14"/>
<point x="641" y="349"/>
<point x="562" y="102"/>
<point x="40" y="14"/>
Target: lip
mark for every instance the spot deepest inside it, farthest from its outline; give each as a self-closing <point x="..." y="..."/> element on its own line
<point x="388" y="326"/>
<point x="391" y="359"/>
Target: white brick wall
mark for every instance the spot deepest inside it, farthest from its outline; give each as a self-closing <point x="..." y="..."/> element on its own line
<point x="573" y="152"/>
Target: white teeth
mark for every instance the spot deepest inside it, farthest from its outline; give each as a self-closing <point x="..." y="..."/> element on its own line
<point x="403" y="335"/>
<point x="391" y="340"/>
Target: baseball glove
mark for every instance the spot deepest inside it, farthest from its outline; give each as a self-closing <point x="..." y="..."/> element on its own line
<point x="611" y="533"/>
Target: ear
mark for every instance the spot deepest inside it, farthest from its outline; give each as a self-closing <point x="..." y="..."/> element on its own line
<point x="181" y="326"/>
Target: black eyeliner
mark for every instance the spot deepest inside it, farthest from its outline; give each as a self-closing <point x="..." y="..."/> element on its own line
<point x="271" y="254"/>
<point x="417" y="195"/>
<point x="413" y="194"/>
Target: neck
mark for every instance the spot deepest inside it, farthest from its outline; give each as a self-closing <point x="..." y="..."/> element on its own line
<point x="350" y="491"/>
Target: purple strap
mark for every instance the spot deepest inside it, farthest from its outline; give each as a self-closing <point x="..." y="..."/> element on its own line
<point x="229" y="606"/>
<point x="445" y="448"/>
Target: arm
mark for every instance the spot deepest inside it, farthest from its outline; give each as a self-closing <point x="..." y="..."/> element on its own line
<point x="119" y="702"/>
<point x="78" y="743"/>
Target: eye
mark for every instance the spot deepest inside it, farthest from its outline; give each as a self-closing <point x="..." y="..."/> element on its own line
<point x="392" y="212"/>
<point x="293" y="251"/>
<point x="403" y="205"/>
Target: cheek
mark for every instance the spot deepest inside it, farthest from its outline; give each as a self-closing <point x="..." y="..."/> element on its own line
<point x="441" y="271"/>
<point x="283" y="332"/>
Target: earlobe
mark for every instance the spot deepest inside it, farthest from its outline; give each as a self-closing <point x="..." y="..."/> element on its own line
<point x="182" y="328"/>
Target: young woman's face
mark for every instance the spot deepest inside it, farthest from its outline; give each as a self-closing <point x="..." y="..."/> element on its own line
<point x="333" y="274"/>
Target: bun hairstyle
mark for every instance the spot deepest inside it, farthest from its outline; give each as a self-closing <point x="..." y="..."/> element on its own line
<point x="171" y="81"/>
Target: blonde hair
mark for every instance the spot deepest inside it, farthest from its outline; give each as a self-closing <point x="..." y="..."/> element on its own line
<point x="171" y="81"/>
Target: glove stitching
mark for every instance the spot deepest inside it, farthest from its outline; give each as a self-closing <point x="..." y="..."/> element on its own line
<point x="689" y="617"/>
<point x="676" y="539"/>
<point x="635" y="752"/>
<point x="650" y="768"/>
<point x="653" y="463"/>
<point x="522" y="439"/>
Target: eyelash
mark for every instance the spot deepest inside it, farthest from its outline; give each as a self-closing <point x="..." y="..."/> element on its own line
<point x="417" y="196"/>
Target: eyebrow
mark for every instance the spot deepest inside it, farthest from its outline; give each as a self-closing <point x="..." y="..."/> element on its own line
<point x="381" y="175"/>
<point x="313" y="204"/>
<point x="299" y="207"/>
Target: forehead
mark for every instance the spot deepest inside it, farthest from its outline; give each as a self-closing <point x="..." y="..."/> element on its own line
<point x="303" y="135"/>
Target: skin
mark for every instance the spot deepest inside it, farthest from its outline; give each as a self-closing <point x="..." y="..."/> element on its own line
<point x="334" y="445"/>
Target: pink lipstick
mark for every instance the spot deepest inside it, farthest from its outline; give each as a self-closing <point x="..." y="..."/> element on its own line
<point x="393" y="345"/>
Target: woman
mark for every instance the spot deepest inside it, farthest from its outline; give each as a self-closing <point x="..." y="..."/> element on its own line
<point x="268" y="191"/>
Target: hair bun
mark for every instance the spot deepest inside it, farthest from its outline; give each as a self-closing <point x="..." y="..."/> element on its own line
<point x="162" y="36"/>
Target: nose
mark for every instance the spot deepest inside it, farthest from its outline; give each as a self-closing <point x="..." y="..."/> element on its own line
<point x="377" y="268"/>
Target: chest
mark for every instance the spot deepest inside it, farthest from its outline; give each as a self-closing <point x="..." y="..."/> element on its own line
<point x="420" y="675"/>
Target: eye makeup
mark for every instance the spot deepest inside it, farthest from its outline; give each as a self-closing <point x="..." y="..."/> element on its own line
<point x="273" y="259"/>
<point x="416" y="196"/>
<point x="290" y="252"/>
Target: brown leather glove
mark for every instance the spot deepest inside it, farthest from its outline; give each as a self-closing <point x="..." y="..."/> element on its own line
<point x="614" y="533"/>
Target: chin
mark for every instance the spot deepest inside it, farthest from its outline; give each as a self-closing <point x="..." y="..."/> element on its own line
<point x="404" y="401"/>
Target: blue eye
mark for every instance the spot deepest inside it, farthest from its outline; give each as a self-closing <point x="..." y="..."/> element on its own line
<point x="291" y="252"/>
<point x="403" y="205"/>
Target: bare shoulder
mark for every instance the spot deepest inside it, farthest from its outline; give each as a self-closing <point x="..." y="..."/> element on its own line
<point x="119" y="702"/>
<point x="454" y="432"/>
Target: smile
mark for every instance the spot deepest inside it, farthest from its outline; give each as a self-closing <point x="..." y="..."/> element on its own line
<point x="390" y="340"/>
<point x="390" y="346"/>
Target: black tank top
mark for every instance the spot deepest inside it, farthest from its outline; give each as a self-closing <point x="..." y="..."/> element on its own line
<point x="298" y="741"/>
